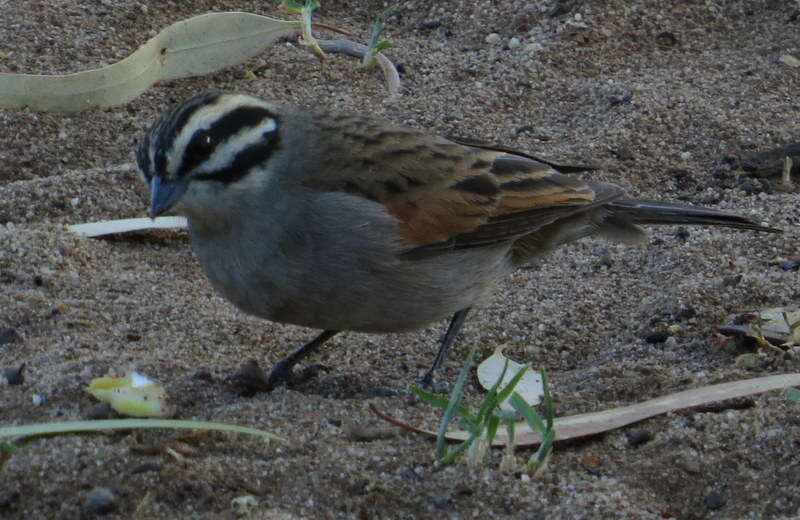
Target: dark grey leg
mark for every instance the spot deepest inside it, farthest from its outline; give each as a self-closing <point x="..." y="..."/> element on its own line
<point x="283" y="370"/>
<point x="452" y="331"/>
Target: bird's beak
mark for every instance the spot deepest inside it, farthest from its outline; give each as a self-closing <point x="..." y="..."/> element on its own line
<point x="164" y="195"/>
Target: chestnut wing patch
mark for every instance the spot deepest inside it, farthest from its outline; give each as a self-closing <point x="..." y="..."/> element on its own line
<point x="444" y="193"/>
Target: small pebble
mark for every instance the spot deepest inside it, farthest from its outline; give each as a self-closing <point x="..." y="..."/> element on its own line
<point x="534" y="47"/>
<point x="493" y="38"/>
<point x="379" y="391"/>
<point x="100" y="501"/>
<point x="591" y="463"/>
<point x="682" y="233"/>
<point x="98" y="412"/>
<point x="732" y="281"/>
<point x="788" y="265"/>
<point x="203" y="375"/>
<point x="513" y="43"/>
<point x="8" y="336"/>
<point x="638" y="437"/>
<point x="7" y="498"/>
<point x="714" y="500"/>
<point x="14" y="376"/>
<point x="146" y="468"/>
<point x="656" y="337"/>
<point x="411" y="474"/>
<point x="432" y="24"/>
<point x="623" y="153"/>
<point x="690" y="465"/>
<point x="250" y="379"/>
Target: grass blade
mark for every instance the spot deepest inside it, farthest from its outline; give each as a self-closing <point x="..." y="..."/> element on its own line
<point x="441" y="402"/>
<point x="452" y="405"/>
<point x="126" y="424"/>
<point x="533" y="419"/>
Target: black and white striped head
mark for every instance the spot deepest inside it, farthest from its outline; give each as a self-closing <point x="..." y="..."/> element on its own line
<point x="214" y="137"/>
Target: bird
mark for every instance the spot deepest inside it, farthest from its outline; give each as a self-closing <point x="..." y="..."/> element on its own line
<point x="344" y="222"/>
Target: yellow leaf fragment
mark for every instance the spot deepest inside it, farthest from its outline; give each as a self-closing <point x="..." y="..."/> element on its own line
<point x="133" y="395"/>
<point x="788" y="59"/>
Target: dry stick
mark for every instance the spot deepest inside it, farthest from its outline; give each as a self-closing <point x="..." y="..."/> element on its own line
<point x="359" y="50"/>
<point x="586" y="424"/>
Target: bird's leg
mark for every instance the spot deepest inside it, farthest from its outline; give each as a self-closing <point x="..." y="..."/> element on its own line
<point x="283" y="371"/>
<point x="452" y="331"/>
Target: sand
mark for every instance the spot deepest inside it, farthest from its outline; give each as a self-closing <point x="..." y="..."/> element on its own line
<point x="665" y="96"/>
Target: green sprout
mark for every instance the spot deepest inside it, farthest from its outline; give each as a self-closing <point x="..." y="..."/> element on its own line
<point x="482" y="425"/>
<point x="537" y="464"/>
<point x="375" y="45"/>
<point x="6" y="450"/>
<point x="794" y="329"/>
<point x="305" y="10"/>
<point x="757" y="333"/>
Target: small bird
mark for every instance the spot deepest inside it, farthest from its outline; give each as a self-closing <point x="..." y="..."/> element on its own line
<point x="345" y="222"/>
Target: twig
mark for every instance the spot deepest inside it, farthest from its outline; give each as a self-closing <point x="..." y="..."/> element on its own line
<point x="359" y="50"/>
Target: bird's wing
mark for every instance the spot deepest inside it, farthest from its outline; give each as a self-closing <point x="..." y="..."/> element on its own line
<point x="443" y="192"/>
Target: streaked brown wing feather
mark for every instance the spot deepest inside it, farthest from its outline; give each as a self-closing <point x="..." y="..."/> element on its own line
<point x="561" y="168"/>
<point x="444" y="193"/>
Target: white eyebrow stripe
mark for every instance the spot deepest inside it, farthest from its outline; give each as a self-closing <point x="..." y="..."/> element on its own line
<point x="203" y="119"/>
<point x="225" y="153"/>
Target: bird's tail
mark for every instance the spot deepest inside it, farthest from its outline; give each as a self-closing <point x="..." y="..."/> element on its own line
<point x="646" y="212"/>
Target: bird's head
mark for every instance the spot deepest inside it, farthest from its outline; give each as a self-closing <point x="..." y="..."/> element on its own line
<point x="203" y="147"/>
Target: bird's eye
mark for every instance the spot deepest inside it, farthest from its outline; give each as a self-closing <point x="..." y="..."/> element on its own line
<point x="200" y="147"/>
<point x="205" y="142"/>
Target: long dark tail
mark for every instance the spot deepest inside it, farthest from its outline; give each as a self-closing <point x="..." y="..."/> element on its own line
<point x="636" y="211"/>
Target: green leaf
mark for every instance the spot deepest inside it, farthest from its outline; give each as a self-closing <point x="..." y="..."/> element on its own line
<point x="292" y="7"/>
<point x="528" y="414"/>
<point x="7" y="447"/>
<point x="456" y="452"/>
<point x="545" y="448"/>
<point x="490" y="401"/>
<point x="200" y="45"/>
<point x="547" y="400"/>
<point x="793" y="394"/>
<point x="503" y="395"/>
<point x="492" y="425"/>
<point x="452" y="405"/>
<point x="375" y="45"/>
<point x="441" y="402"/>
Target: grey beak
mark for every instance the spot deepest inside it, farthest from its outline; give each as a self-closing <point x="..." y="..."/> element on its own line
<point x="164" y="195"/>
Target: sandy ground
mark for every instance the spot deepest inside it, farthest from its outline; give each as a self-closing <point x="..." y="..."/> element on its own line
<point x="664" y="95"/>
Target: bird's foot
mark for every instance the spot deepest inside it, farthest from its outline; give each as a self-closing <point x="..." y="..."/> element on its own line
<point x="284" y="373"/>
<point x="250" y="379"/>
<point x="436" y="387"/>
